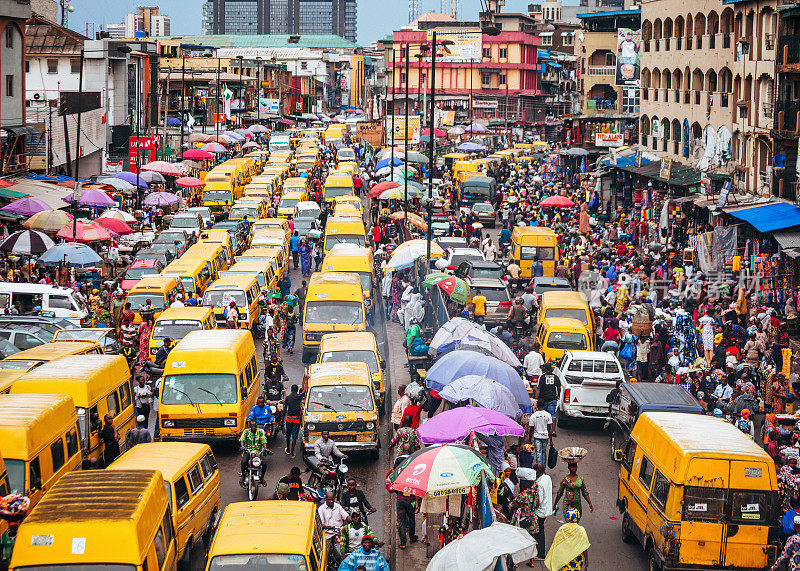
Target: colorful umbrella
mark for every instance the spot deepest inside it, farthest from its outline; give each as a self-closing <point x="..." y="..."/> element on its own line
<point x="440" y="470"/>
<point x="71" y="254"/>
<point x="395" y="193"/>
<point x="85" y="232"/>
<point x="455" y="288"/>
<point x="93" y="197"/>
<point x="403" y="258"/>
<point x="557" y="201"/>
<point x="199" y="138"/>
<point x="114" y="225"/>
<point x="27" y="242"/>
<point x="118" y="184"/>
<point x="190" y="182"/>
<point x="381" y="186"/>
<point x="129" y="177"/>
<point x="436" y="249"/>
<point x="481" y="549"/>
<point x="160" y="199"/>
<point x="161" y="167"/>
<point x="152" y="177"/>
<point x="387" y="162"/>
<point x="214" y="148"/>
<point x="118" y="214"/>
<point x="456" y="424"/>
<point x="258" y="129"/>
<point x="48" y="220"/>
<point x="197" y="154"/>
<point x="433" y="279"/>
<point x="26" y="206"/>
<point x="438" y="133"/>
<point x="414" y="219"/>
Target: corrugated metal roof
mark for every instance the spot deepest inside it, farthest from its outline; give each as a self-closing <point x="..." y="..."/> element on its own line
<point x="610" y="13"/>
<point x="319" y="41"/>
<point x="770" y="217"/>
<point x="788" y="240"/>
<point x="43" y="37"/>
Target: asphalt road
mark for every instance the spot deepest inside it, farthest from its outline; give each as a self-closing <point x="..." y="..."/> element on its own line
<point x="368" y="473"/>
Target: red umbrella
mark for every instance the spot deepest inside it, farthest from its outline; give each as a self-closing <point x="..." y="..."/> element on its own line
<point x="115" y="225"/>
<point x="86" y="232"/>
<point x="286" y="121"/>
<point x="197" y="154"/>
<point x="190" y="182"/>
<point x="557" y="201"/>
<point x="381" y="186"/>
<point x="438" y="133"/>
<point x="5" y="183"/>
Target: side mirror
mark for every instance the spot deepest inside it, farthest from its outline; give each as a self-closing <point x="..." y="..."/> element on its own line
<point x="618" y="455"/>
<point x="383" y="363"/>
<point x="244" y="392"/>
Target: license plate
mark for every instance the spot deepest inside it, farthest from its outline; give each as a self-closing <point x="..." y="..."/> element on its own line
<point x="364" y="438"/>
<point x="599" y="409"/>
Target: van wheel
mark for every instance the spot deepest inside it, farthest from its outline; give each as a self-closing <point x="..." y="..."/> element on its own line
<point x="561" y="419"/>
<point x="306" y="356"/>
<point x="653" y="563"/>
<point x="186" y="559"/>
<point x="627" y="534"/>
<point x="209" y="529"/>
<point x="614" y="440"/>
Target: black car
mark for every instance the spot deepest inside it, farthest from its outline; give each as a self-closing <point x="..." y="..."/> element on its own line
<point x="51" y="324"/>
<point x="632" y="399"/>
<point x="481" y="270"/>
<point x="543" y="284"/>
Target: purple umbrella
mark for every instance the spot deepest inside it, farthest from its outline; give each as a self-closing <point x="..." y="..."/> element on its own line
<point x="130" y="177"/>
<point x="160" y="199"/>
<point x="93" y="197"/>
<point x="456" y="424"/>
<point x="26" y="206"/>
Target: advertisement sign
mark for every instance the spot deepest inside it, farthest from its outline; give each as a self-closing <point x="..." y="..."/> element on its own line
<point x="370" y="132"/>
<point x="665" y="171"/>
<point x="628" y="63"/>
<point x="466" y="45"/>
<point x="269" y="105"/>
<point x="485" y="103"/>
<point x="398" y="127"/>
<point x="609" y="139"/>
<point x="147" y="151"/>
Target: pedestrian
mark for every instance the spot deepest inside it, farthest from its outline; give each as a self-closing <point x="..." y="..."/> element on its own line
<point x="545" y="487"/>
<point x="525" y="505"/>
<point x="294" y="244"/>
<point x="570" y="548"/>
<point x="406" y="507"/>
<point x="293" y="411"/>
<point x="366" y="557"/>
<point x="399" y="407"/>
<point x="790" y="556"/>
<point x="139" y="434"/>
<point x="110" y="437"/>
<point x="231" y="316"/>
<point x="305" y="258"/>
<point x="143" y="398"/>
<point x="540" y="432"/>
<point x="707" y="323"/>
<point x="386" y="293"/>
<point x="572" y="487"/>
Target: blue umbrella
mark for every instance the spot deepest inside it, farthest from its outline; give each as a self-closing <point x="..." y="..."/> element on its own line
<point x="173" y="121"/>
<point x="71" y="254"/>
<point x="387" y="161"/>
<point x="130" y="177"/>
<point x="456" y="364"/>
<point x="233" y="135"/>
<point x="470" y="147"/>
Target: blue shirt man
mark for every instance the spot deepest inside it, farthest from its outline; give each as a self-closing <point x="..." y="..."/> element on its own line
<point x="294" y="242"/>
<point x="538" y="269"/>
<point x="261" y="413"/>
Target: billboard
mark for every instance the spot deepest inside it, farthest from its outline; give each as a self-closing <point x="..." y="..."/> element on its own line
<point x="371" y="132"/>
<point x="628" y="62"/>
<point x="608" y="139"/>
<point x="398" y="127"/>
<point x="269" y="105"/>
<point x="466" y="45"/>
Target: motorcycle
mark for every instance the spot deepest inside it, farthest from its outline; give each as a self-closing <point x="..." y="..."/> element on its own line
<point x="252" y="477"/>
<point x="153" y="371"/>
<point x="327" y="476"/>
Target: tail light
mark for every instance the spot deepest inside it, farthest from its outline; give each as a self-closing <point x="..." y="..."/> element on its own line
<point x="451" y="267"/>
<point x="505" y="304"/>
<point x="566" y="395"/>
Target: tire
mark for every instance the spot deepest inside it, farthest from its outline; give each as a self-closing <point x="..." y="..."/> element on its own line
<point x="561" y="419"/>
<point x="186" y="559"/>
<point x="306" y="356"/>
<point x="652" y="562"/>
<point x="615" y="436"/>
<point x="252" y="490"/>
<point x="627" y="534"/>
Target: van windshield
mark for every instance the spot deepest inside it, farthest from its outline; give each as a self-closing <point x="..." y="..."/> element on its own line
<point x="334" y="191"/>
<point x="579" y="314"/>
<point x="199" y="389"/>
<point x="139" y="273"/>
<point x="18" y="365"/>
<point x="224" y="297"/>
<point x="81" y="567"/>
<point x="566" y="341"/>
<point x="16" y="474"/>
<point x="217" y="196"/>
<point x="288" y="202"/>
<point x="175" y="328"/>
<point x="334" y="312"/>
<point x="258" y="562"/>
<point x="339" y="398"/>
<point x="354" y="239"/>
<point x="138" y="300"/>
<point x="352" y="356"/>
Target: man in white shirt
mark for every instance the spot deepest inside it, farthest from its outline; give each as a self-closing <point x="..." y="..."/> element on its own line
<point x="541" y="432"/>
<point x="723" y="394"/>
<point x="545" y="509"/>
<point x="533" y="362"/>
<point x="178" y="301"/>
<point x="489" y="251"/>
<point x="333" y="517"/>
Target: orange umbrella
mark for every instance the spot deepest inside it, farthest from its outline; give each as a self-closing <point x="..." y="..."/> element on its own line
<point x="85" y="233"/>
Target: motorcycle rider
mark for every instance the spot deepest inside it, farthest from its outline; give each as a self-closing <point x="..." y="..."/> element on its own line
<point x="293" y="411"/>
<point x="262" y="414"/>
<point x="274" y="370"/>
<point x="325" y="449"/>
<point x="163" y="353"/>
<point x="293" y="481"/>
<point x="253" y="441"/>
<point x="517" y="315"/>
<point x="354" y="499"/>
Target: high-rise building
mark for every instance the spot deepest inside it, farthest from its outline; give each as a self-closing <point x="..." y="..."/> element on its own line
<point x="281" y="17"/>
<point x="146" y="19"/>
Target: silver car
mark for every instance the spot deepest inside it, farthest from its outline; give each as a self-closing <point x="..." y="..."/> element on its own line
<point x="498" y="301"/>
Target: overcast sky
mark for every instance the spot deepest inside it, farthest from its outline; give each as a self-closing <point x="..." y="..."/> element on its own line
<point x="376" y="18"/>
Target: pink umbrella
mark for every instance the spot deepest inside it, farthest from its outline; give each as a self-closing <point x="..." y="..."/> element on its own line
<point x="557" y="201"/>
<point x="162" y="167"/>
<point x="85" y="233"/>
<point x="214" y="148"/>
<point x="438" y="133"/>
<point x="197" y="154"/>
<point x="93" y="197"/>
<point x="190" y="182"/>
<point x="114" y="225"/>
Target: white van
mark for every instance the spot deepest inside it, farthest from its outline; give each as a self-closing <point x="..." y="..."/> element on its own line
<point x="52" y="301"/>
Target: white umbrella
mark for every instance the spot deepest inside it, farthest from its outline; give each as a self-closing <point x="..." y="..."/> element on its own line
<point x="460" y="333"/>
<point x="485" y="391"/>
<point x="479" y="550"/>
<point x="118" y="214"/>
<point x="403" y="257"/>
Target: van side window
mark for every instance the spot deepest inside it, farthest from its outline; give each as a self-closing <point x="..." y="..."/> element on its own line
<point x="703" y="504"/>
<point x="125" y="395"/>
<point x="248" y="372"/>
<point x="72" y="443"/>
<point x="195" y="479"/>
<point x="112" y="401"/>
<point x="254" y="365"/>
<point x="35" y="474"/>
<point x="181" y="492"/>
<point x="313" y="561"/>
<point x="646" y="472"/>
<point x="95" y="426"/>
<point x="161" y="548"/>
<point x="169" y="532"/>
<point x="208" y="471"/>
<point x="212" y="461"/>
<point x="57" y="451"/>
<point x="660" y="489"/>
<point x="60" y="302"/>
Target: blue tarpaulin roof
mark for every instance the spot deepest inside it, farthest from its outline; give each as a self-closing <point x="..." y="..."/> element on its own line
<point x="770" y="216"/>
<point x="626" y="161"/>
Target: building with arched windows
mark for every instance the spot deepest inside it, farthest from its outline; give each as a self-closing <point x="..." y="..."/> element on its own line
<point x="13" y="130"/>
<point x="707" y="86"/>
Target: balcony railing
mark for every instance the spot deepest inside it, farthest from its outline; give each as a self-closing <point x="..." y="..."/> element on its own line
<point x="787" y="115"/>
<point x="604" y="70"/>
<point x="13" y="163"/>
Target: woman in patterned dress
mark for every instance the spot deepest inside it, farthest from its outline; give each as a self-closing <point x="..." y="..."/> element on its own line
<point x="572" y="488"/>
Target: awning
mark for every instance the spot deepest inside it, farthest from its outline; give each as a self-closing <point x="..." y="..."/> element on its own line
<point x="545" y="34"/>
<point x="50" y="194"/>
<point x="770" y="217"/>
<point x="18" y="130"/>
<point x="552" y="64"/>
<point x="788" y="240"/>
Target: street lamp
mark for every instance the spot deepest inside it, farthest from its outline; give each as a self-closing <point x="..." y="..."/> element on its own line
<point x="120" y="49"/>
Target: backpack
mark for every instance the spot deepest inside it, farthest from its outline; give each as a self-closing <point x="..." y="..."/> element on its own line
<point x="743" y="425"/>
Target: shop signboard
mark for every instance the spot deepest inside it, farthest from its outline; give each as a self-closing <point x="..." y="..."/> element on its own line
<point x="466" y="44"/>
<point x="609" y="139"/>
<point x="370" y="132"/>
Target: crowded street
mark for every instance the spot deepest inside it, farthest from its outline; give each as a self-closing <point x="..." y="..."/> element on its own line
<point x="469" y="291"/>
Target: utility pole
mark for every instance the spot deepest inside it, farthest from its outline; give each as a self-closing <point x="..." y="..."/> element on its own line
<point x="432" y="160"/>
<point x="391" y="163"/>
<point x="405" y="178"/>
<point x="216" y="107"/>
<point x="183" y="97"/>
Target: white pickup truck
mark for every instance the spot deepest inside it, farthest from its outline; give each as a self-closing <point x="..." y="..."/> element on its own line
<point x="587" y="377"/>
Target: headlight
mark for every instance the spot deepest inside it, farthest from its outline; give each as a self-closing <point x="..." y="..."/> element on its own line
<point x="370" y="425"/>
<point x="230" y="422"/>
<point x="311" y="427"/>
<point x="167" y="423"/>
<point x="256" y="461"/>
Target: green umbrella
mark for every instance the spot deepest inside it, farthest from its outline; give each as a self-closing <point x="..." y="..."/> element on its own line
<point x="434" y="278"/>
